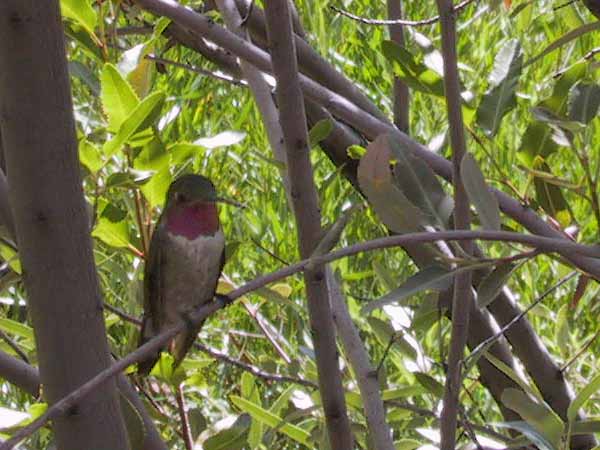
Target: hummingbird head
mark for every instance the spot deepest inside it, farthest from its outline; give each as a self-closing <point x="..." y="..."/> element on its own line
<point x="191" y="209"/>
<point x="191" y="188"/>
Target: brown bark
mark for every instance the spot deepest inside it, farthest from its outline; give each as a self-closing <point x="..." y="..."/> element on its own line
<point x="308" y="219"/>
<point x="38" y="132"/>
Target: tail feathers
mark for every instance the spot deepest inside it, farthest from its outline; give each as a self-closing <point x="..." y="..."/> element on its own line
<point x="183" y="342"/>
<point x="178" y="348"/>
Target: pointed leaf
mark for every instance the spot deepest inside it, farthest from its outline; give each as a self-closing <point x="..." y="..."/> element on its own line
<point x="375" y="179"/>
<point x="271" y="420"/>
<point x="118" y="98"/>
<point x="583" y="396"/>
<point x="320" y="131"/>
<point x="432" y="277"/>
<point x="413" y="72"/>
<point x="421" y="186"/>
<point x="538" y="415"/>
<point x="232" y="438"/>
<point x="583" y="103"/>
<point x="143" y="116"/>
<point x="530" y="432"/>
<point x="492" y="284"/>
<point x="112" y="228"/>
<point x="479" y="193"/>
<point x="561" y="329"/>
<point x="89" y="156"/>
<point x="81" y="12"/>
<point x="431" y="384"/>
<point x="500" y="99"/>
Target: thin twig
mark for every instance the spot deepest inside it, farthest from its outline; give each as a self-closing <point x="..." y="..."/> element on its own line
<point x="200" y="70"/>
<point x="566" y="366"/>
<point x="12" y="344"/>
<point x="518" y="317"/>
<point x="428" y="413"/>
<point x="409" y="23"/>
<point x="256" y="371"/>
<point x="185" y="422"/>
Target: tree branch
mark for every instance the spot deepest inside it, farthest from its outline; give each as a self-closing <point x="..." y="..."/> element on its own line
<point x="463" y="293"/>
<point x="379" y="433"/>
<point x="308" y="219"/>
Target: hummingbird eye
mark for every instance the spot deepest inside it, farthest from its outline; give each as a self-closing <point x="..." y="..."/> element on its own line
<point x="180" y="197"/>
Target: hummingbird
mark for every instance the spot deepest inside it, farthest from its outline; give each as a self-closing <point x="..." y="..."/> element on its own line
<point x="183" y="265"/>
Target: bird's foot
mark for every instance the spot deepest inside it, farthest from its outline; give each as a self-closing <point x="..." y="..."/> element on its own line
<point x="225" y="299"/>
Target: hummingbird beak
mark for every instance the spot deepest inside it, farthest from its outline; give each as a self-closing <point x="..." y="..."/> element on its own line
<point x="229" y="202"/>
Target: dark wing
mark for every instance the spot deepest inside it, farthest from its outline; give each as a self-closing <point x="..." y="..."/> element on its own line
<point x="153" y="301"/>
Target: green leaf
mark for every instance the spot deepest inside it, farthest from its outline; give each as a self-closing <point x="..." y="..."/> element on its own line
<point x="514" y="376"/>
<point x="500" y="99"/>
<point x="143" y="116"/>
<point x="432" y="277"/>
<point x="250" y="392"/>
<point x="281" y="402"/>
<point x="182" y="152"/>
<point x="536" y="438"/>
<point x="561" y="329"/>
<point x="537" y="141"/>
<point x="390" y="204"/>
<point x="479" y="193"/>
<point x="89" y="155"/>
<point x="356" y="151"/>
<point x="319" y="132"/>
<point x="491" y="285"/>
<point x="118" y="98"/>
<point x="413" y="72"/>
<point x="432" y="385"/>
<point x="271" y="420"/>
<point x="153" y="156"/>
<point x="15" y="328"/>
<point x="138" y="69"/>
<point x="10" y="255"/>
<point x="112" y="228"/>
<point x="583" y="396"/>
<point x="565" y="39"/>
<point x="538" y="415"/>
<point x="583" y="102"/>
<point x="385" y="334"/>
<point x="585" y="426"/>
<point x="155" y="190"/>
<point x="81" y="12"/>
<point x="197" y="422"/>
<point x="134" y="424"/>
<point x="421" y="186"/>
<point x="232" y="438"/>
<point x="85" y="74"/>
<point x="550" y="197"/>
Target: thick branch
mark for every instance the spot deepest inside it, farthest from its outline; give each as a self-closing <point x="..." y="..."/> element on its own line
<point x="401" y="94"/>
<point x="48" y="208"/>
<point x="19" y="373"/>
<point x="308" y="219"/>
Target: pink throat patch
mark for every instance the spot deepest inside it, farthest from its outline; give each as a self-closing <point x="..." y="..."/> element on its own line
<point x="193" y="220"/>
